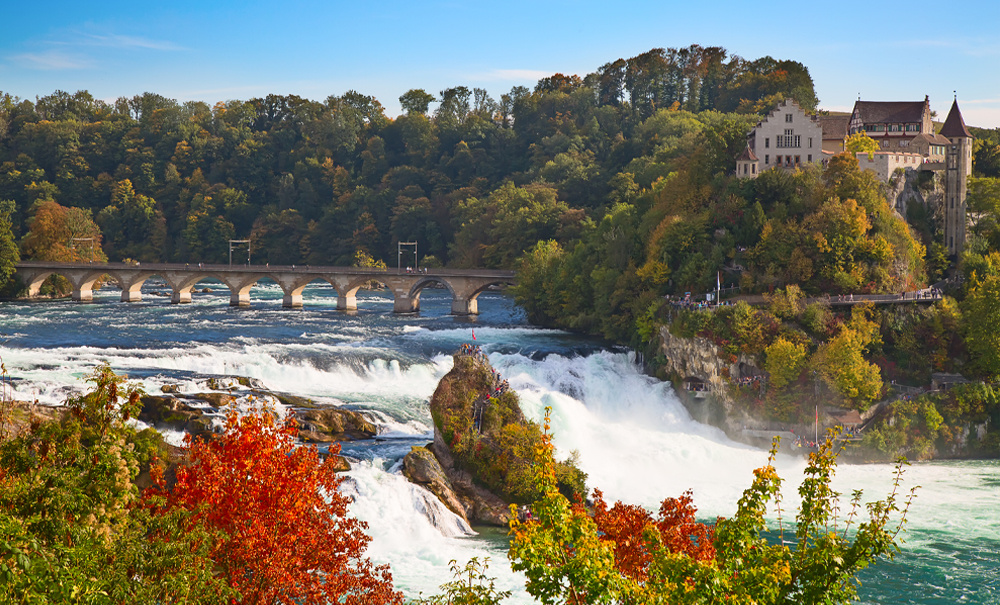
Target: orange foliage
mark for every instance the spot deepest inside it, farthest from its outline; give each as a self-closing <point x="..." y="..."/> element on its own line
<point x="626" y="524"/>
<point x="288" y="537"/>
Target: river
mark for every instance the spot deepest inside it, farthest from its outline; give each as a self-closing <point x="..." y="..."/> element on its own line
<point x="635" y="440"/>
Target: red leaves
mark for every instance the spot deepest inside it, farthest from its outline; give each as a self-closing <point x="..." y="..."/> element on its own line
<point x="288" y="536"/>
<point x="626" y="524"/>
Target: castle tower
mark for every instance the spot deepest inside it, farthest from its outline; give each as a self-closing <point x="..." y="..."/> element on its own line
<point x="958" y="167"/>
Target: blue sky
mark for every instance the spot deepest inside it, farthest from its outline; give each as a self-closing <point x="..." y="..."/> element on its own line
<point x="215" y="51"/>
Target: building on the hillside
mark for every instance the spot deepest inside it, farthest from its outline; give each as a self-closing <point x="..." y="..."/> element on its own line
<point x="905" y="128"/>
<point x="958" y="163"/>
<point x="893" y="124"/>
<point x="834" y="132"/>
<point x="787" y="138"/>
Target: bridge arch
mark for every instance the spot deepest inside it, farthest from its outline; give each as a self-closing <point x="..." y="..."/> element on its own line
<point x="293" y="286"/>
<point x="81" y="281"/>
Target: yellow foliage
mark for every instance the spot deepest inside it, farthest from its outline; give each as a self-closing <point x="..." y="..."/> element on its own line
<point x="784" y="362"/>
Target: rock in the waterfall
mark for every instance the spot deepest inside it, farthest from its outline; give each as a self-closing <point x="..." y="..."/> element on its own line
<point x="341" y="464"/>
<point x="170" y="388"/>
<point x="324" y="425"/>
<point x="218" y="400"/>
<point x="421" y="467"/>
<point x="169" y="412"/>
<point x="475" y="417"/>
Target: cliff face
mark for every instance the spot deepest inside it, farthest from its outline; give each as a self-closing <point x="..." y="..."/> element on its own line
<point x="700" y="358"/>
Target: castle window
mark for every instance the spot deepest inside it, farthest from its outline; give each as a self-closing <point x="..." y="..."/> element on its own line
<point x="810" y="142"/>
<point x="777" y="160"/>
<point x="810" y="157"/>
<point x="753" y="168"/>
<point x="798" y="160"/>
<point x="767" y="159"/>
<point x="912" y="127"/>
<point x="767" y="143"/>
<point x="788" y="117"/>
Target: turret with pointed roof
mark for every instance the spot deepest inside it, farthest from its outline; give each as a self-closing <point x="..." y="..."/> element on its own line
<point x="954" y="125"/>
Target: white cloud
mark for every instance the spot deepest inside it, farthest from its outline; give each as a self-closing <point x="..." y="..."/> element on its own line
<point x="51" y="60"/>
<point x="511" y="75"/>
<point x="119" y="41"/>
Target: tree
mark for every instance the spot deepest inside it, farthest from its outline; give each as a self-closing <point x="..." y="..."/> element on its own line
<point x="784" y="362"/>
<point x="135" y="228"/>
<point x="287" y="534"/>
<point x="57" y="233"/>
<point x="860" y="142"/>
<point x="9" y="254"/>
<point x="416" y="100"/>
<point x="72" y="527"/>
<point x="841" y="361"/>
<point x="981" y="320"/>
<point x="568" y="559"/>
<point x="471" y="586"/>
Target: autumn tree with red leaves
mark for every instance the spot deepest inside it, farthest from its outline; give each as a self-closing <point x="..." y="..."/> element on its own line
<point x="626" y="525"/>
<point x="287" y="537"/>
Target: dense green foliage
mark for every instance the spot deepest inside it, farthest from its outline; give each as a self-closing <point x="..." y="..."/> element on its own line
<point x="312" y="182"/>
<point x="10" y="255"/>
<point x="963" y="421"/>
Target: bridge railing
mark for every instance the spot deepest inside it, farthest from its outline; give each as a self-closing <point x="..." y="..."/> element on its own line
<point x="216" y="268"/>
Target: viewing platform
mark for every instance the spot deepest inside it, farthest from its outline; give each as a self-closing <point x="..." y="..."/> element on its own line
<point x="465" y="285"/>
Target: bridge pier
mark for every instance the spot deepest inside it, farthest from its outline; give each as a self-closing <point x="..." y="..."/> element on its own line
<point x="464" y="306"/>
<point x="348" y="302"/>
<point x="83" y="294"/>
<point x="403" y="303"/>
<point x="240" y="298"/>
<point x="292" y="301"/>
<point x="181" y="296"/>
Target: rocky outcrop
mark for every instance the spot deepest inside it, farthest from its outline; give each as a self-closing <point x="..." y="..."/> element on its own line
<point x="325" y="425"/>
<point x="186" y="411"/>
<point x="174" y="413"/>
<point x="480" y="504"/>
<point x="477" y="465"/>
<point x="420" y="466"/>
<point x="702" y="359"/>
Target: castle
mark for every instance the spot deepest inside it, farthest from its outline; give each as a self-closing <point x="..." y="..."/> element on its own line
<point x="904" y="131"/>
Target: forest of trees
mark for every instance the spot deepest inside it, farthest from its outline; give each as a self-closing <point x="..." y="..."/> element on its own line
<point x="475" y="181"/>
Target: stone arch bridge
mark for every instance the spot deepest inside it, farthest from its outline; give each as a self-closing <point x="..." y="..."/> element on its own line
<point x="465" y="285"/>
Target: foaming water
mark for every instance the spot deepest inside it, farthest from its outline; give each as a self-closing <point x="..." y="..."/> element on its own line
<point x="634" y="438"/>
<point x="416" y="535"/>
